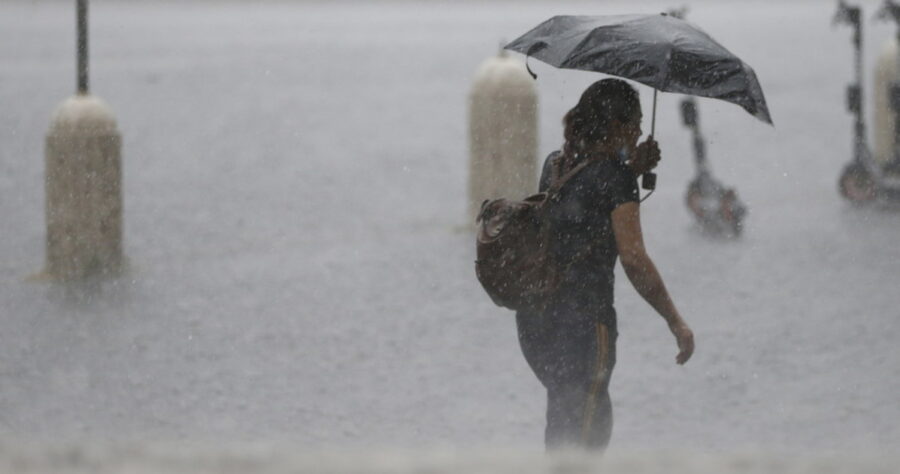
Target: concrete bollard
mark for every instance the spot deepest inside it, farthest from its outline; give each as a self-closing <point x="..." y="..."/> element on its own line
<point x="502" y="132"/>
<point x="83" y="185"/>
<point x="886" y="74"/>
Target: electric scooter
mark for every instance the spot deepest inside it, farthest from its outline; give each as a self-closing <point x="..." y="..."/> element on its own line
<point x="716" y="207"/>
<point x="864" y="180"/>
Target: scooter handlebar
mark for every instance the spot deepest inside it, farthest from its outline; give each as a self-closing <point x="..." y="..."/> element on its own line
<point x="889" y="10"/>
<point x="847" y="14"/>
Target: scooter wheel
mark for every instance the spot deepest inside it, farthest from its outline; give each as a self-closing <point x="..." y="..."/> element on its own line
<point x="732" y="212"/>
<point x="856" y="184"/>
<point x="694" y="201"/>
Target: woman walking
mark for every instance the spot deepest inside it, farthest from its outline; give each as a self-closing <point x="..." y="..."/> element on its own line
<point x="571" y="344"/>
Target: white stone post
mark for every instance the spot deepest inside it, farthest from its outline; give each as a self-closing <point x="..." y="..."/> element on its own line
<point x="83" y="179"/>
<point x="502" y="132"/>
<point x="83" y="183"/>
<point x="886" y="74"/>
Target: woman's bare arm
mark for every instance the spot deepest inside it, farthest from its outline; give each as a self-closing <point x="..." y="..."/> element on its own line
<point x="642" y="273"/>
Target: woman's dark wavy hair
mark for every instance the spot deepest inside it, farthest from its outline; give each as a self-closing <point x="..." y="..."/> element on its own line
<point x="587" y="124"/>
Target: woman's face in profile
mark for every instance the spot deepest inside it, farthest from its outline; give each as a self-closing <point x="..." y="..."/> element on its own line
<point x="630" y="131"/>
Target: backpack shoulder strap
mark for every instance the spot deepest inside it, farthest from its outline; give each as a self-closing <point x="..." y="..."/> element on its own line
<point x="552" y="165"/>
<point x="557" y="181"/>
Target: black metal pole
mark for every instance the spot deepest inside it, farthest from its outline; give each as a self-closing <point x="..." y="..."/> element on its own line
<point x="82" y="46"/>
<point x="860" y="125"/>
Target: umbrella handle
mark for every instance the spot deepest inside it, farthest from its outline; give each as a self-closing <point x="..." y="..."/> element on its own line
<point x="653" y="119"/>
<point x="531" y="50"/>
<point x="528" y="68"/>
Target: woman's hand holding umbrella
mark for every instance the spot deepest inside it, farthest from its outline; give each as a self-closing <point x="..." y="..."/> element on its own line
<point x="646" y="157"/>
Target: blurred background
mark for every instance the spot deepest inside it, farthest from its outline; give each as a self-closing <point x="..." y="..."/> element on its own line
<point x="300" y="266"/>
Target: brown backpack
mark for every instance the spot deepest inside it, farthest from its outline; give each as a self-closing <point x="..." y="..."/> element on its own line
<point x="513" y="263"/>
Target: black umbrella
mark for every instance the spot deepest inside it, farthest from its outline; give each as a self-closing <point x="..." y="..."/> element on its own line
<point x="661" y="51"/>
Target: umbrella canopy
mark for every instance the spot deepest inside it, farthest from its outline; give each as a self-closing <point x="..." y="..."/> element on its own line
<point x="661" y="51"/>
